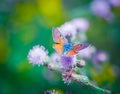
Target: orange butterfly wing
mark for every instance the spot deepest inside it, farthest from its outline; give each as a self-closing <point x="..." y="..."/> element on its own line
<point x="72" y="52"/>
<point x="58" y="47"/>
<point x="59" y="39"/>
<point x="76" y="49"/>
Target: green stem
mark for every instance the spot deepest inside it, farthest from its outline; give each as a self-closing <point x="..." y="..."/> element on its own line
<point x="98" y="88"/>
<point x="94" y="87"/>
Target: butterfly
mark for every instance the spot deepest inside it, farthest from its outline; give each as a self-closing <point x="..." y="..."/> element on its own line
<point x="62" y="46"/>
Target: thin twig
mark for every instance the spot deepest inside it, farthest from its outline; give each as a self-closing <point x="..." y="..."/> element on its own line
<point x="98" y="88"/>
<point x="94" y="87"/>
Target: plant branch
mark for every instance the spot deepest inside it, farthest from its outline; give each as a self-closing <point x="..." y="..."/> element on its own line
<point x="82" y="80"/>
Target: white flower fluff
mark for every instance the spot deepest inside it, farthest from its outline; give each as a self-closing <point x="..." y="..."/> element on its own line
<point x="67" y="29"/>
<point x="38" y="55"/>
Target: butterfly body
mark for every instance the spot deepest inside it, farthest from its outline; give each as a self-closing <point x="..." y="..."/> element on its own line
<point x="63" y="47"/>
<point x="67" y="47"/>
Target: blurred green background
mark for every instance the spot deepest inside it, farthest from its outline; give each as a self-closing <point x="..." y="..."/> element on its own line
<point x="25" y="23"/>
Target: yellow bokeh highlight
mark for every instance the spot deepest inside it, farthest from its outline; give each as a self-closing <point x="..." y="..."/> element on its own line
<point x="106" y="75"/>
<point x="51" y="11"/>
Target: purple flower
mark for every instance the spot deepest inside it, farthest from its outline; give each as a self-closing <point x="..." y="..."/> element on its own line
<point x="67" y="29"/>
<point x="67" y="75"/>
<point x="87" y="53"/>
<point x="114" y="2"/>
<point x="55" y="57"/>
<point x="37" y="55"/>
<point x="102" y="8"/>
<point x="51" y="92"/>
<point x="100" y="56"/>
<point x="55" y="60"/>
<point x="67" y="61"/>
<point x="80" y="24"/>
<point x="69" y="92"/>
<point x="81" y="63"/>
